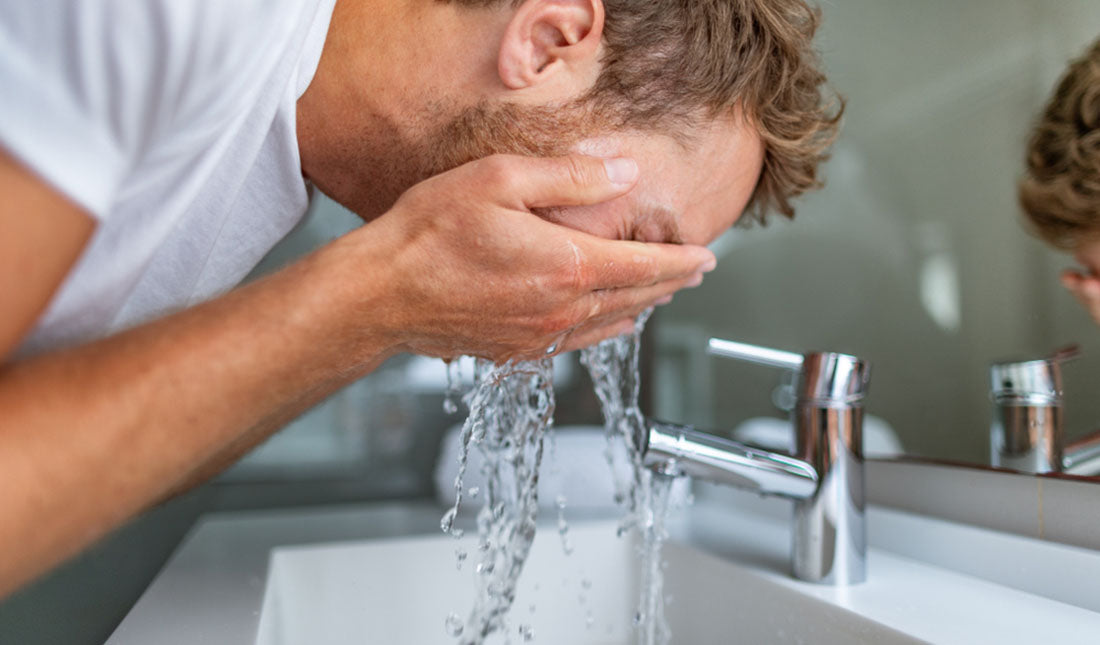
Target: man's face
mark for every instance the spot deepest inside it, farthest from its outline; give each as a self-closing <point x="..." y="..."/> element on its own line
<point x="687" y="193"/>
<point x="1085" y="284"/>
<point x="689" y="190"/>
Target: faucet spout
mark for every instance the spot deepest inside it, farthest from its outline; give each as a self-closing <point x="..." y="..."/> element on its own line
<point x="680" y="450"/>
<point x="823" y="475"/>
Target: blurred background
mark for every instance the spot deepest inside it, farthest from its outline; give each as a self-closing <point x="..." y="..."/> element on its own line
<point x="913" y="257"/>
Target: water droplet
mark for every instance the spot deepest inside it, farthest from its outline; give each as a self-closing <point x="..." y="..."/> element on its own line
<point x="474" y="490"/>
<point x="638" y="618"/>
<point x="531" y="609"/>
<point x="589" y="620"/>
<point x="454" y="625"/>
<point x="448" y="520"/>
<point x="454" y="386"/>
<point x="460" y="557"/>
<point x="527" y="632"/>
<point x="586" y="583"/>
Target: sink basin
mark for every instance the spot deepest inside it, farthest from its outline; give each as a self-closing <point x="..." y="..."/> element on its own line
<point x="401" y="591"/>
<point x="382" y="574"/>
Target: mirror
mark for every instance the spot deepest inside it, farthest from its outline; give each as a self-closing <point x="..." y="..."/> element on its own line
<point x="914" y="255"/>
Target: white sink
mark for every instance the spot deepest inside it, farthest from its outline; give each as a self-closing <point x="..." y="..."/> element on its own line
<point x="382" y="574"/>
<point x="400" y="591"/>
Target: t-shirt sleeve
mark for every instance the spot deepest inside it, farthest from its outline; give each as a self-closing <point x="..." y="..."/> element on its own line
<point x="78" y="92"/>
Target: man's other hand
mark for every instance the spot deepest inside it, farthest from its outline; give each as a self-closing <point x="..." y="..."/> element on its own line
<point x="473" y="271"/>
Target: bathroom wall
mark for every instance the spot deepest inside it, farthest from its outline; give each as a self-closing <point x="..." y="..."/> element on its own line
<point x="913" y="255"/>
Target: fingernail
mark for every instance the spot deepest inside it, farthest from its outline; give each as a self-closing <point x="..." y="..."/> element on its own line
<point x="663" y="300"/>
<point x="709" y="265"/>
<point x="621" y="171"/>
<point x="695" y="280"/>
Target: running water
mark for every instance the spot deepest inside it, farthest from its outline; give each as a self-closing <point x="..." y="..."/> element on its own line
<point x="511" y="411"/>
<point x="650" y="618"/>
<point x="613" y="365"/>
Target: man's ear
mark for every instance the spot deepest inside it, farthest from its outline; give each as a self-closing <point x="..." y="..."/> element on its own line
<point x="546" y="38"/>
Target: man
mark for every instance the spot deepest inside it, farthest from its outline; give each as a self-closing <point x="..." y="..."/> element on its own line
<point x="156" y="150"/>
<point x="1061" y="191"/>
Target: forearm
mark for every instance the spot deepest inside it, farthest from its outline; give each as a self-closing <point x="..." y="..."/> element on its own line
<point x="92" y="435"/>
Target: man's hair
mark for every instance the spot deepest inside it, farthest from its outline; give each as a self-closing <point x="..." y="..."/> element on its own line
<point x="1061" y="191"/>
<point x="669" y="64"/>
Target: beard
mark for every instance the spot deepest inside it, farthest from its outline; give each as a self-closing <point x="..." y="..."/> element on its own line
<point x="483" y="130"/>
<point x="393" y="157"/>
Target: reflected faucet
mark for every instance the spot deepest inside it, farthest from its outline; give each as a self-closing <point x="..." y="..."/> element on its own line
<point x="1027" y="430"/>
<point x="823" y="474"/>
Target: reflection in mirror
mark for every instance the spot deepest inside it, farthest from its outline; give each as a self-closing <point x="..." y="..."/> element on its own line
<point x="915" y="255"/>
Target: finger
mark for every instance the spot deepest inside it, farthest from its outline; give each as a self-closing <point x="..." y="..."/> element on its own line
<point x="597" y="323"/>
<point x="612" y="303"/>
<point x="1090" y="288"/>
<point x="1084" y="289"/>
<point x="586" y="337"/>
<point x="575" y="180"/>
<point x="612" y="264"/>
<point x="1071" y="278"/>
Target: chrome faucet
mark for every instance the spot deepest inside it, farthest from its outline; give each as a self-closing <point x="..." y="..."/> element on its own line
<point x="823" y="474"/>
<point x="1027" y="431"/>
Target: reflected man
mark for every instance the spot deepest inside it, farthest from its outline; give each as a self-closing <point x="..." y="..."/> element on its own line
<point x="1061" y="191"/>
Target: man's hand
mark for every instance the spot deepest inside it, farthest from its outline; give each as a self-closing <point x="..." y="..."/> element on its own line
<point x="474" y="271"/>
<point x="1086" y="288"/>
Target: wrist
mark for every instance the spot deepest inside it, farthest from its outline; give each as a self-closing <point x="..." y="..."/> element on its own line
<point x="353" y="284"/>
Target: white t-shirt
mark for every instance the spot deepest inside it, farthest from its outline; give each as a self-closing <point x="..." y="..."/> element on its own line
<point x="172" y="122"/>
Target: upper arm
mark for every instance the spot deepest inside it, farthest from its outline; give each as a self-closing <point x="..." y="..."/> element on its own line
<point x="43" y="235"/>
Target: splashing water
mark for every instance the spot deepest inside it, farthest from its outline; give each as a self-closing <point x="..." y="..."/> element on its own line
<point x="454" y="386"/>
<point x="563" y="526"/>
<point x="511" y="410"/>
<point x="613" y="366"/>
<point x="653" y="626"/>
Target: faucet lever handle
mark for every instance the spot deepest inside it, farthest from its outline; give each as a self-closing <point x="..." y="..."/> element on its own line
<point x="827" y="378"/>
<point x="755" y="354"/>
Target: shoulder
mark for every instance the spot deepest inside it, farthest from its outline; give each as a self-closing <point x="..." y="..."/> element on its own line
<point x="91" y="84"/>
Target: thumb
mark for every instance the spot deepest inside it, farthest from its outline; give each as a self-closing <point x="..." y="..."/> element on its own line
<point x="574" y="180"/>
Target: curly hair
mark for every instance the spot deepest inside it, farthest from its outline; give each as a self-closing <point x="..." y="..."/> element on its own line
<point x="1061" y="191"/>
<point x="667" y="64"/>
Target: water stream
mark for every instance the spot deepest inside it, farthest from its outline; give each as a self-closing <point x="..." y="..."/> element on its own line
<point x="613" y="366"/>
<point x="511" y="410"/>
<point x="511" y="415"/>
